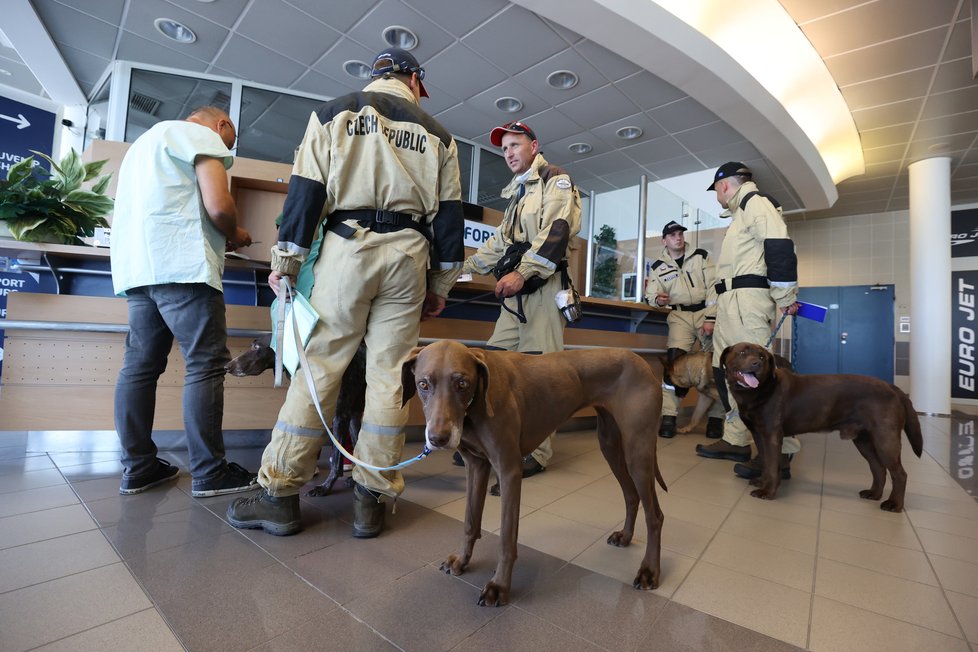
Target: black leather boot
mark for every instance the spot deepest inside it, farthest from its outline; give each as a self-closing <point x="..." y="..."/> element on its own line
<point x="368" y="513"/>
<point x="667" y="427"/>
<point x="714" y="428"/>
<point x="278" y="516"/>
<point x="752" y="469"/>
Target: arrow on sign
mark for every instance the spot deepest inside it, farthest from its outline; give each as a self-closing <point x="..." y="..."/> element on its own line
<point x="22" y="122"/>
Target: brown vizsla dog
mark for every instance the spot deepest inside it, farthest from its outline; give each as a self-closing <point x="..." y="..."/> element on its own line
<point x="497" y="406"/>
<point x="777" y="402"/>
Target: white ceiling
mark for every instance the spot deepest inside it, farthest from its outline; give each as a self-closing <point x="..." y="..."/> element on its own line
<point x="903" y="66"/>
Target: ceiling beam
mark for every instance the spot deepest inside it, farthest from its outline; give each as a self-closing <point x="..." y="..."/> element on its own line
<point x="24" y="30"/>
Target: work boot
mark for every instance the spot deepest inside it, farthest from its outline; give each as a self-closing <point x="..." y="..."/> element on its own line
<point x="368" y="512"/>
<point x="752" y="469"/>
<point x="721" y="450"/>
<point x="714" y="428"/>
<point x="667" y="427"/>
<point x="275" y="515"/>
<point x="457" y="459"/>
<point x="531" y="467"/>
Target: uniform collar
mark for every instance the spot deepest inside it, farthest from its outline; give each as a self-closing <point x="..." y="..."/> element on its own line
<point x="391" y="87"/>
<point x="746" y="187"/>
<point x="534" y="175"/>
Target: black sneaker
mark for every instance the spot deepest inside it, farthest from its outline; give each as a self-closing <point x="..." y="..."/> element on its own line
<point x="457" y="459"/>
<point x="278" y="516"/>
<point x="531" y="467"/>
<point x="137" y="484"/>
<point x="667" y="427"/>
<point x="234" y="479"/>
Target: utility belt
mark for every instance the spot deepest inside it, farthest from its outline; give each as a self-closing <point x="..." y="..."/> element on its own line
<point x="739" y="282"/>
<point x="693" y="307"/>
<point x="378" y="221"/>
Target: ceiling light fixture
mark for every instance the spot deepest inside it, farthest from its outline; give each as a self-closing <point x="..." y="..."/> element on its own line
<point x="509" y="104"/>
<point x="629" y="133"/>
<point x="400" y="37"/>
<point x="562" y="79"/>
<point x="356" y="69"/>
<point x="175" y="30"/>
<point x="5" y="73"/>
<point x="580" y="148"/>
<point x="939" y="147"/>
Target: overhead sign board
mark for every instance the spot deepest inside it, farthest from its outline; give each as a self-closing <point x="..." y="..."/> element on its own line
<point x="22" y="128"/>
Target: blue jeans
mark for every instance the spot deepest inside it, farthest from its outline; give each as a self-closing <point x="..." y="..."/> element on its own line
<point x="194" y="314"/>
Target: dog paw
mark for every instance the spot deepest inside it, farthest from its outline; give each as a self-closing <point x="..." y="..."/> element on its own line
<point x="619" y="539"/>
<point x="763" y="494"/>
<point x="684" y="429"/>
<point x="318" y="491"/>
<point x="890" y="506"/>
<point x="453" y="565"/>
<point x="869" y="494"/>
<point x="494" y="595"/>
<point x="646" y="580"/>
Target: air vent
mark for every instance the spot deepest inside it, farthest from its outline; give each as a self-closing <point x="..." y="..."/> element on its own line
<point x="221" y="100"/>
<point x="144" y="103"/>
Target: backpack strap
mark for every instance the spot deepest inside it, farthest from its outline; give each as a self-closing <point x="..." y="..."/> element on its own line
<point x="747" y="197"/>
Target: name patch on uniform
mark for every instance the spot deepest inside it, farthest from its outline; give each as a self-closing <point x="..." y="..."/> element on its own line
<point x="563" y="184"/>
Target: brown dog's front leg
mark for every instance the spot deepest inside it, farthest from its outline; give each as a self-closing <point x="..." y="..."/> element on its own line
<point x="496" y="591"/>
<point x="769" y="448"/>
<point x="476" y="481"/>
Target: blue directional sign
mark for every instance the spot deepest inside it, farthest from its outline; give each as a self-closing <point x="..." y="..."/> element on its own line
<point x="22" y="128"/>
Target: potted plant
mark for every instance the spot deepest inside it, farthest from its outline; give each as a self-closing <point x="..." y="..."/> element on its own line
<point x="42" y="206"/>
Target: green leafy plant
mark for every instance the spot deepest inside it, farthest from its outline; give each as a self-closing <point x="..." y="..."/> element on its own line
<point x="605" y="263"/>
<point x="42" y="206"/>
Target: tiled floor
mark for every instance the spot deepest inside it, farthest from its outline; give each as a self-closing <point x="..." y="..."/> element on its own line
<point x="82" y="568"/>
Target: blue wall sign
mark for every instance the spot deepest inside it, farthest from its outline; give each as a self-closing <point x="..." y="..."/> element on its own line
<point x="22" y="128"/>
<point x="13" y="281"/>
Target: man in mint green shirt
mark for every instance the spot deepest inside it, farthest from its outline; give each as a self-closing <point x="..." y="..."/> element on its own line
<point x="174" y="218"/>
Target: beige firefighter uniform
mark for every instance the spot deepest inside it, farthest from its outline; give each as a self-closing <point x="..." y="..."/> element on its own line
<point x="547" y="215"/>
<point x="687" y="286"/>
<point x="373" y="150"/>
<point x="756" y="251"/>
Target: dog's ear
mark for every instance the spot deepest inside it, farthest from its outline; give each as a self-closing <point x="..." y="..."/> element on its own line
<point x="723" y="357"/>
<point x="407" y="375"/>
<point x="482" y="389"/>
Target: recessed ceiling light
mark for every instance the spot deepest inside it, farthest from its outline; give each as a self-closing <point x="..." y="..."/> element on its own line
<point x="562" y="79"/>
<point x="629" y="133"/>
<point x="357" y="69"/>
<point x="400" y="37"/>
<point x="509" y="104"/>
<point x="939" y="147"/>
<point x="175" y="30"/>
<point x="5" y="73"/>
<point x="579" y="148"/>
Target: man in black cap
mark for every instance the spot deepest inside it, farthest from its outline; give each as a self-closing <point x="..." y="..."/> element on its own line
<point x="757" y="274"/>
<point x="385" y="174"/>
<point x="543" y="214"/>
<point x="679" y="281"/>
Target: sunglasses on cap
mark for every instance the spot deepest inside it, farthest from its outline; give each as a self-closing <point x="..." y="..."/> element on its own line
<point x="515" y="127"/>
<point x="385" y="65"/>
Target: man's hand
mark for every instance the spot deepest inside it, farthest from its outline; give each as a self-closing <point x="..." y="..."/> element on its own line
<point x="792" y="309"/>
<point x="433" y="305"/>
<point x="241" y="238"/>
<point x="275" y="277"/>
<point x="509" y="285"/>
<point x="661" y="299"/>
<point x="708" y="328"/>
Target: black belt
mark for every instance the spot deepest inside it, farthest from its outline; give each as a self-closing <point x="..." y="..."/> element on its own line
<point x="745" y="281"/>
<point x="693" y="307"/>
<point x="378" y="221"/>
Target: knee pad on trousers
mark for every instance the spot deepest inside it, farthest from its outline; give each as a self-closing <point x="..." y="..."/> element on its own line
<point x="721" y="382"/>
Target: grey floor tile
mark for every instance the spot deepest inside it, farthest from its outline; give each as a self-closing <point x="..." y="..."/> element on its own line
<point x="337" y="630"/>
<point x="140" y="507"/>
<point x="144" y="630"/>
<point x="682" y="629"/>
<point x="50" y="611"/>
<point x="516" y="629"/>
<point x="24" y="463"/>
<point x="30" y="480"/>
<point x="35" y="500"/>
<point x="139" y="537"/>
<point x="47" y="524"/>
<point x="50" y="559"/>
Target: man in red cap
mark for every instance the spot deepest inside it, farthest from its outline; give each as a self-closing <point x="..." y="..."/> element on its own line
<point x="543" y="214"/>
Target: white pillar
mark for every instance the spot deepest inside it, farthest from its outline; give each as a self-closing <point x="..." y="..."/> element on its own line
<point x="930" y="285"/>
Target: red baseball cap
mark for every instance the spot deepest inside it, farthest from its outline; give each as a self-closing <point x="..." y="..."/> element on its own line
<point x="516" y="127"/>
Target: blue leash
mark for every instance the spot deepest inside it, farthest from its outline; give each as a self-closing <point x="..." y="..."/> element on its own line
<point x="776" y="329"/>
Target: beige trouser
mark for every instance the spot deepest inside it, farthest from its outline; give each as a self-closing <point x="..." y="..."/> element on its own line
<point x="543" y="332"/>
<point x="369" y="287"/>
<point x="684" y="332"/>
<point x="744" y="315"/>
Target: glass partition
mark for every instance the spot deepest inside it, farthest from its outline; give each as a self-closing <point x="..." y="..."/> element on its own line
<point x="158" y="96"/>
<point x="272" y="124"/>
<point x="494" y="175"/>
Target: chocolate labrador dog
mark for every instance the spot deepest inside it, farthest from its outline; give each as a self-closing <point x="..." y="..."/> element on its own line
<point x="497" y="406"/>
<point x="777" y="402"/>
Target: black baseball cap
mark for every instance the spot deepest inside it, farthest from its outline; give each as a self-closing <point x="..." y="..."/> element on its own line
<point x="515" y="127"/>
<point x="671" y="227"/>
<point x="398" y="60"/>
<point x="731" y="169"/>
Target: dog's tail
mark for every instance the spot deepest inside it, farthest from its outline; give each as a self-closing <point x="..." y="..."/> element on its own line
<point x="658" y="476"/>
<point x="911" y="423"/>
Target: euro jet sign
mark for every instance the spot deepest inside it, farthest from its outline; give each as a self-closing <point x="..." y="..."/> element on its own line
<point x="22" y="128"/>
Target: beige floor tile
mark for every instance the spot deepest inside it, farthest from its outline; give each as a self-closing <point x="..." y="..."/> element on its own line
<point x="766" y="607"/>
<point x="952" y="492"/>
<point x="679" y="536"/>
<point x="433" y="491"/>
<point x="965" y="507"/>
<point x="767" y="562"/>
<point x="560" y="478"/>
<point x="53" y="558"/>
<point x="909" y="564"/>
<point x="838" y="627"/>
<point x="491" y="513"/>
<point x="30" y="480"/>
<point x="590" y="511"/>
<point x="956" y="575"/>
<point x="962" y="527"/>
<point x="46" y="524"/>
<point x="771" y="531"/>
<point x="895" y="530"/>
<point x="623" y="563"/>
<point x="560" y="537"/>
<point x="535" y="495"/>
<point x="966" y="609"/>
<point x="145" y="630"/>
<point x="904" y="600"/>
<point x="50" y="611"/>
<point x="948" y="545"/>
<point x="34" y="500"/>
<point x="715" y="493"/>
<point x="782" y="510"/>
<point x="692" y="511"/>
<point x="590" y="464"/>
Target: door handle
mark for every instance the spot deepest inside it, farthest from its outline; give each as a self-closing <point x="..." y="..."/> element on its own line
<point x="843" y="337"/>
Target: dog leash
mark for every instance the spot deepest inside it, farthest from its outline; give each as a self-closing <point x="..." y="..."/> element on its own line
<point x="285" y="294"/>
<point x="776" y="329"/>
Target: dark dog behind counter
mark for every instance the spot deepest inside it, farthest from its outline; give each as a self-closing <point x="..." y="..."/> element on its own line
<point x="349" y="404"/>
<point x="510" y="402"/>
<point x="777" y="402"/>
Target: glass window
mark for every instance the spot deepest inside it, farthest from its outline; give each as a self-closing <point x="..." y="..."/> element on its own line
<point x="272" y="124"/>
<point x="465" y="166"/>
<point x="494" y="175"/>
<point x="97" y="115"/>
<point x="158" y="96"/>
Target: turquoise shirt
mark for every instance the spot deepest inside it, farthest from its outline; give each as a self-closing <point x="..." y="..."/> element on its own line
<point x="160" y="230"/>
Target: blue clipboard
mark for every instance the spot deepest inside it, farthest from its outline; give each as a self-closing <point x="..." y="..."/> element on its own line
<point x="812" y="311"/>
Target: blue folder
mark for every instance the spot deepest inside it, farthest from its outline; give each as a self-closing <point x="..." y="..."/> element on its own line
<point x="812" y="311"/>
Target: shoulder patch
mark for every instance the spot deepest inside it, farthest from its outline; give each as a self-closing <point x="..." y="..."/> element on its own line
<point x="563" y="184"/>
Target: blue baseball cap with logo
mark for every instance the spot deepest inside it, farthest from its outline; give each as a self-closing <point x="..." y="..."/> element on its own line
<point x="394" y="60"/>
<point x="731" y="169"/>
